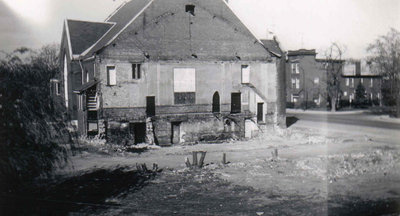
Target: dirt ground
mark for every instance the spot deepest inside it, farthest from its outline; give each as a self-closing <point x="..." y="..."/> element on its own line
<point x="321" y="169"/>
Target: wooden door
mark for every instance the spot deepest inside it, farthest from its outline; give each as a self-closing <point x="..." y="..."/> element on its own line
<point x="215" y="103"/>
<point x="236" y="103"/>
<point x="176" y="132"/>
<point x="150" y="106"/>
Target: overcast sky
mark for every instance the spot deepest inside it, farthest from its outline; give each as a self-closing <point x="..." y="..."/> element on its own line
<point x="310" y="24"/>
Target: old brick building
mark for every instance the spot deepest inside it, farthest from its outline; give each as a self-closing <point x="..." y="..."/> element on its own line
<point x="307" y="79"/>
<point x="358" y="72"/>
<point x="172" y="71"/>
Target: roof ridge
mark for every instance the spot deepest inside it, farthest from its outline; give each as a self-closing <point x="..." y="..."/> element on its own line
<point x="248" y="29"/>
<point x="77" y="20"/>
<point x="116" y="10"/>
<point x="129" y="23"/>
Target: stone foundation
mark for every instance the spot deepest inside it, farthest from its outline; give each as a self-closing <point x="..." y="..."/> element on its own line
<point x="168" y="129"/>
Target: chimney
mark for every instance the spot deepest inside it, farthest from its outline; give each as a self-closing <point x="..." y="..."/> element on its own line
<point x="358" y="68"/>
<point x="270" y="35"/>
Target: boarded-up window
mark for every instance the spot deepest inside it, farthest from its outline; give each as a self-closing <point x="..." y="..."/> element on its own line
<point x="184" y="80"/>
<point x="111" y="75"/>
<point x="245" y="73"/>
<point x="185" y="97"/>
<point x="236" y="103"/>
<point x="185" y="85"/>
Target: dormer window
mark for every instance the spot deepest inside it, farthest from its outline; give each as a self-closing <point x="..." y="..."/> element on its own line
<point x="189" y="9"/>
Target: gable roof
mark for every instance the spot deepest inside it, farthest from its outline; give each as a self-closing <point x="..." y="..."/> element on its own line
<point x="122" y="17"/>
<point x="84" y="34"/>
<point x="152" y="28"/>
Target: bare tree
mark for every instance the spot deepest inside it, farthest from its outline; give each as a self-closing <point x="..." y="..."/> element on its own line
<point x="47" y="57"/>
<point x="385" y="55"/>
<point x="333" y="67"/>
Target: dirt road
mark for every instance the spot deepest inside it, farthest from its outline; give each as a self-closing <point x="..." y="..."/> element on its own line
<point x="322" y="169"/>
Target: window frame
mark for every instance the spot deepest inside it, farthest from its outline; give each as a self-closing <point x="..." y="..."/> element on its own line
<point x="316" y="80"/>
<point x="136" y="71"/>
<point x="245" y="71"/>
<point x="108" y="75"/>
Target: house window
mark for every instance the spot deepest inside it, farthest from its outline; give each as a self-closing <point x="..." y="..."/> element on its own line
<point x="352" y="82"/>
<point x="185" y="97"/>
<point x="111" y="76"/>
<point x="372" y="83"/>
<point x="245" y="73"/>
<point x="295" y="98"/>
<point x="295" y="68"/>
<point x="362" y="81"/>
<point x="55" y="87"/>
<point x="189" y="9"/>
<point x="295" y="83"/>
<point x="347" y="81"/>
<point x="236" y="103"/>
<point x="316" y="80"/>
<point x="87" y="76"/>
<point x="136" y="72"/>
<point x="345" y="93"/>
<point x="316" y="99"/>
<point x="185" y="85"/>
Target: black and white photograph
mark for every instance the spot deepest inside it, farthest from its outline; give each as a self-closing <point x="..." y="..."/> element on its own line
<point x="200" y="107"/>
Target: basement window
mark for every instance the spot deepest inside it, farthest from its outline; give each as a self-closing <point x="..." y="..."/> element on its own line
<point x="189" y="9"/>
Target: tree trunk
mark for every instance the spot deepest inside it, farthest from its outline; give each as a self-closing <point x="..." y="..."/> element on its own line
<point x="333" y="104"/>
<point x="398" y="105"/>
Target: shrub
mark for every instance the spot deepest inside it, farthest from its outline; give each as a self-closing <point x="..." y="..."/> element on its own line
<point x="34" y="136"/>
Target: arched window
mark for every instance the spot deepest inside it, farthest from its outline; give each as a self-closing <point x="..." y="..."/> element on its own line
<point x="215" y="103"/>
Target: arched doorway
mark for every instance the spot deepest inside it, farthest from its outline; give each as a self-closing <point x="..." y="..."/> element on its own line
<point x="215" y="103"/>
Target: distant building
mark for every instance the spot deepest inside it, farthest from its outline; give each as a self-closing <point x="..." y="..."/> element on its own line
<point x="306" y="80"/>
<point x="358" y="72"/>
<point x="172" y="71"/>
<point x="306" y="83"/>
